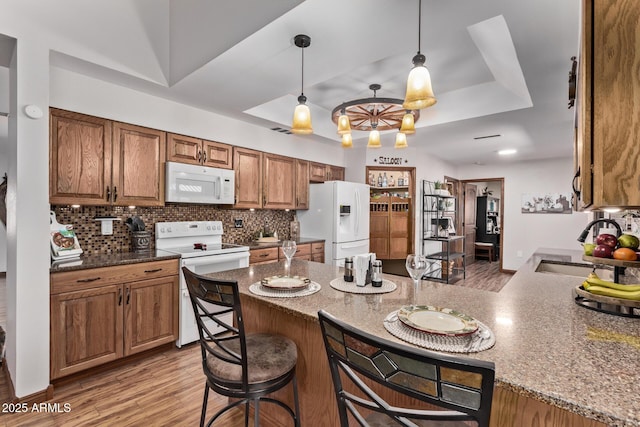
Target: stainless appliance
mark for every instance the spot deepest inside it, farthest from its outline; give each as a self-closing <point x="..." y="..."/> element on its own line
<point x="199" y="244"/>
<point x="338" y="213"/>
<point x="199" y="184"/>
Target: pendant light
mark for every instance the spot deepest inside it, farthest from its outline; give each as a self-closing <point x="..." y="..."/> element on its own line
<point x="419" y="91"/>
<point x="302" y="114"/>
<point x="408" y="126"/>
<point x="344" y="126"/>
<point x="347" y="141"/>
<point x="401" y="140"/>
<point x="374" y="137"/>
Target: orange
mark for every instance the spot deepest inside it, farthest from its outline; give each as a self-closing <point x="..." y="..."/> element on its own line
<point x="625" y="254"/>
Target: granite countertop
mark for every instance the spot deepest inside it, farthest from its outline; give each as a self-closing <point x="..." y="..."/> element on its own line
<point x="256" y="245"/>
<point x="547" y="347"/>
<point x="108" y="260"/>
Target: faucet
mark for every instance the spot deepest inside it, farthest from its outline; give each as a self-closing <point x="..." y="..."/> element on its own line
<point x="585" y="232"/>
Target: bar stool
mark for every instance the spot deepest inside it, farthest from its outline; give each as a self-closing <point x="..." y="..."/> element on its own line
<point x="461" y="387"/>
<point x="241" y="366"/>
<point x="485" y="250"/>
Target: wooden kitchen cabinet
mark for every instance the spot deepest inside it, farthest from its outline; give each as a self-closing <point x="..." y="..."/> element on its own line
<point x="335" y="173"/>
<point x="279" y="182"/>
<point x="196" y="151"/>
<point x="103" y="314"/>
<point x="138" y="165"/>
<point x="607" y="111"/>
<point x="79" y="158"/>
<point x="95" y="161"/>
<point x="248" y="169"/>
<point x="302" y="184"/>
<point x="263" y="255"/>
<point x="303" y="251"/>
<point x="317" y="252"/>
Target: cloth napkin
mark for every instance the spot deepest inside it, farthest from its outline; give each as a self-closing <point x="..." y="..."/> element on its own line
<point x="361" y="265"/>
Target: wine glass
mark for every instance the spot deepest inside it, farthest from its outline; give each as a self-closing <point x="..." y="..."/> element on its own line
<point x="289" y="249"/>
<point x="417" y="266"/>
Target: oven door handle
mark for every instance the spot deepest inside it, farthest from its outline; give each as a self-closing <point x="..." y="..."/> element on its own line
<point x="214" y="259"/>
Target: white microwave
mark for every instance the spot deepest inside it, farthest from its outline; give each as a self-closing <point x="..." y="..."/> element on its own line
<point x="199" y="184"/>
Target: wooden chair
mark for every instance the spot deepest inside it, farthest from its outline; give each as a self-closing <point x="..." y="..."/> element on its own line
<point x="241" y="366"/>
<point x="485" y="250"/>
<point x="461" y="387"/>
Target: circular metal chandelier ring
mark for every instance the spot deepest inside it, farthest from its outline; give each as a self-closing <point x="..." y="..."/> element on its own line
<point x="385" y="113"/>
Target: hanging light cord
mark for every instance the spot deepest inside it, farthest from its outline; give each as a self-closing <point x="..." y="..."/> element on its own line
<point x="419" y="23"/>
<point x="302" y="73"/>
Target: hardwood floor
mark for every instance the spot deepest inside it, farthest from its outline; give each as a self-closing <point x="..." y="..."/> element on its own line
<point x="163" y="390"/>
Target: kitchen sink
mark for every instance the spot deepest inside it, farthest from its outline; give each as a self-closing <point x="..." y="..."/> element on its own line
<point x="573" y="269"/>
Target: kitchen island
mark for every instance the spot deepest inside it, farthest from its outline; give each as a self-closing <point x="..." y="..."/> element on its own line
<point x="557" y="363"/>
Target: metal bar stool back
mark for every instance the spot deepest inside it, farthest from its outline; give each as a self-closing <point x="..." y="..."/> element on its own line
<point x="241" y="366"/>
<point x="461" y="388"/>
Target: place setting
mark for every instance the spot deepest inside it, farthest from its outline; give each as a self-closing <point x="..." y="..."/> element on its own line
<point x="363" y="275"/>
<point x="286" y="285"/>
<point x="439" y="328"/>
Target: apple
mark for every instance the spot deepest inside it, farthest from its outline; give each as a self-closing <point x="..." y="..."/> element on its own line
<point x="603" y="251"/>
<point x="628" y="241"/>
<point x="588" y="248"/>
<point x="607" y="239"/>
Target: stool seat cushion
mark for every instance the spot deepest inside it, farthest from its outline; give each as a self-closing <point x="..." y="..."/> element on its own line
<point x="268" y="357"/>
<point x="484" y="244"/>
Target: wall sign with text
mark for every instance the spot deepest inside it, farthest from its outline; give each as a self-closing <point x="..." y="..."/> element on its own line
<point x="383" y="160"/>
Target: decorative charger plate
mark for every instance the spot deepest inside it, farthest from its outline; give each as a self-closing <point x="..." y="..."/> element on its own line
<point x="437" y="320"/>
<point x="285" y="282"/>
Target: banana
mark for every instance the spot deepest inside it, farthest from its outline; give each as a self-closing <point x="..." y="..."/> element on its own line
<point x="613" y="285"/>
<point x="615" y="293"/>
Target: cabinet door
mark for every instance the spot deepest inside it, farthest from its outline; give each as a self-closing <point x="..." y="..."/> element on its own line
<point x="138" y="165"/>
<point x="79" y="158"/>
<point x="248" y="168"/>
<point x="335" y="173"/>
<point x="302" y="184"/>
<point x="151" y="314"/>
<point x="216" y="154"/>
<point x="379" y="233"/>
<point x="317" y="172"/>
<point x="279" y="182"/>
<point x="184" y="149"/>
<point x="317" y="252"/>
<point x="86" y="329"/>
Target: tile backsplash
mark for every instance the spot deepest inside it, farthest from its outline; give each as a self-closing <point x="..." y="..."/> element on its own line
<point x="93" y="242"/>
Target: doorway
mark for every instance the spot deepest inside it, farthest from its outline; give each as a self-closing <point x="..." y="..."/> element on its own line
<point x="483" y="207"/>
<point x="391" y="211"/>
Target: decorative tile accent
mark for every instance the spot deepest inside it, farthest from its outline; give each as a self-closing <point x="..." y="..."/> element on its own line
<point x="93" y="242"/>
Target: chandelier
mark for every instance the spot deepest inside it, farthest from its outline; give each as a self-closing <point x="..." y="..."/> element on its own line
<point x="373" y="115"/>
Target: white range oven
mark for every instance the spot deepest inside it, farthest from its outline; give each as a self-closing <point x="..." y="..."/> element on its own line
<point x="199" y="244"/>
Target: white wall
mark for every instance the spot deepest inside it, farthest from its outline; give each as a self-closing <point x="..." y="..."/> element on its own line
<point x="4" y="156"/>
<point x="76" y="92"/>
<point x="524" y="233"/>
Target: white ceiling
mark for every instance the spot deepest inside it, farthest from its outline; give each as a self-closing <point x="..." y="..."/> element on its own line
<point x="497" y="66"/>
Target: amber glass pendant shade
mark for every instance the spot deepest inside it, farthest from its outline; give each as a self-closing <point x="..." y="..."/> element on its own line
<point x="401" y="140"/>
<point x="408" y="126"/>
<point x="344" y="126"/>
<point x="302" y="120"/>
<point x="374" y="139"/>
<point x="347" y="141"/>
<point x="419" y="92"/>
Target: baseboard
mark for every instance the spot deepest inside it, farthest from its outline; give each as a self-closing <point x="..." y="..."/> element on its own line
<point x="504" y="270"/>
<point x="38" y="397"/>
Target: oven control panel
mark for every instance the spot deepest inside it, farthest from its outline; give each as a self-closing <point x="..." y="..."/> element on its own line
<point x="188" y="229"/>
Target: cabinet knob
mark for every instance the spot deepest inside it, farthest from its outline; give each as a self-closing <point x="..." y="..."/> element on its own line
<point x="204" y="157"/>
<point x="108" y="194"/>
<point x="115" y="193"/>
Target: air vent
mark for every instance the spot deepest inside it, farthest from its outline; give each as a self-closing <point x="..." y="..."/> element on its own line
<point x="282" y="130"/>
<point x="487" y="136"/>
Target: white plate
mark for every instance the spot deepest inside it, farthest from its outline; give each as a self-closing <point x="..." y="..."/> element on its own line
<point x="285" y="282"/>
<point x="437" y="320"/>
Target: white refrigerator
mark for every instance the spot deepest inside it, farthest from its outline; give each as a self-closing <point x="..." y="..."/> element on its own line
<point x="338" y="213"/>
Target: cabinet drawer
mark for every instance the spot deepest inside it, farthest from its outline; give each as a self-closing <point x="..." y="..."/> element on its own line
<point x="262" y="255"/>
<point x="317" y="248"/>
<point x="85" y="279"/>
<point x="301" y="251"/>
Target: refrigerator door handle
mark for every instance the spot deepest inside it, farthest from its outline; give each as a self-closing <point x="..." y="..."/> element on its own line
<point x="350" y="246"/>
<point x="357" y="225"/>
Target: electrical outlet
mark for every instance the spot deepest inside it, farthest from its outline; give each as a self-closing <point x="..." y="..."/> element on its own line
<point x="238" y="223"/>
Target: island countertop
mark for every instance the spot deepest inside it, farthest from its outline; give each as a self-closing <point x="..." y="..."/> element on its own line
<point x="547" y="347"/>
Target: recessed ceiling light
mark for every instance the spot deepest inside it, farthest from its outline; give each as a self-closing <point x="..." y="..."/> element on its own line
<point x="507" y="152"/>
